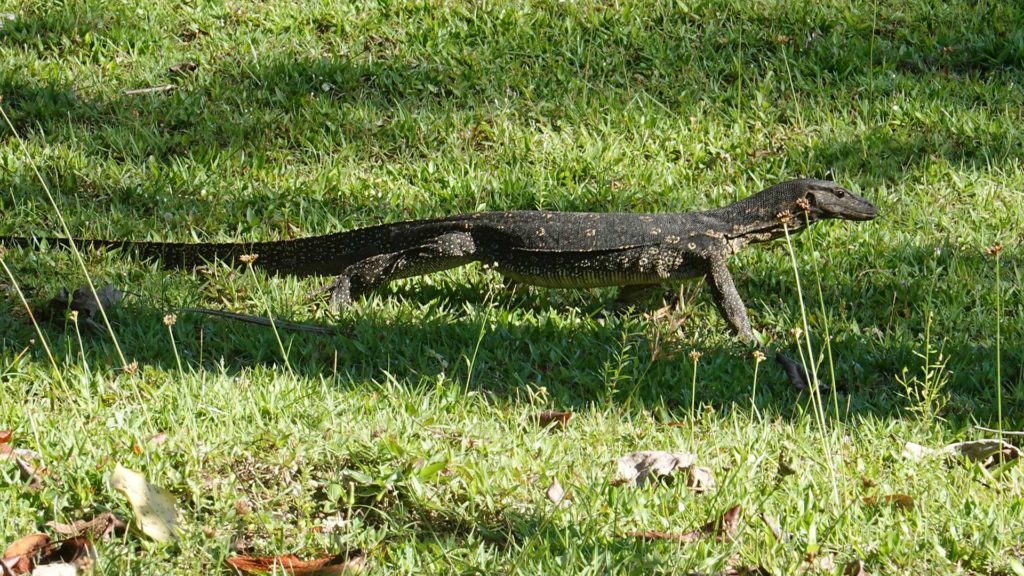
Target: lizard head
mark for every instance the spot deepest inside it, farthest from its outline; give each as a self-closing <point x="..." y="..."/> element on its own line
<point x="791" y="206"/>
<point x="824" y="199"/>
<point x="801" y="202"/>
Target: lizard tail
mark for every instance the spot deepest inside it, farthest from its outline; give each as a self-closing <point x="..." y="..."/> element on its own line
<point x="324" y="255"/>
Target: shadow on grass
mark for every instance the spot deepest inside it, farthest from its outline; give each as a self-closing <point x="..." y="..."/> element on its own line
<point x="382" y="105"/>
<point x="530" y="338"/>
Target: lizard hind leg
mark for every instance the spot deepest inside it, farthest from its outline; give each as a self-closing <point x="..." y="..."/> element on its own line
<point x="440" y="253"/>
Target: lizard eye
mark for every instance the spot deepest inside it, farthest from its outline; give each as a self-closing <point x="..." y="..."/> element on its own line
<point x="840" y="192"/>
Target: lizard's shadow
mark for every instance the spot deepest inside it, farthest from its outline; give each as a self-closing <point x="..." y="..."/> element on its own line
<point x="502" y="345"/>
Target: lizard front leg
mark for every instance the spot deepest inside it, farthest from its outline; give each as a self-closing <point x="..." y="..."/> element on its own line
<point x="730" y="305"/>
<point x="727" y="299"/>
<point x="440" y="253"/>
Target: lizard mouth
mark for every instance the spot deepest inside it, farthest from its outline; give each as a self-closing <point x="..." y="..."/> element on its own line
<point x="867" y="213"/>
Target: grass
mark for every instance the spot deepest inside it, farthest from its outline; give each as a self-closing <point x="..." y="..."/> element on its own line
<point x="416" y="423"/>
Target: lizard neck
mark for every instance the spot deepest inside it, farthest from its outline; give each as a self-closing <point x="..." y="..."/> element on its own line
<point x="759" y="218"/>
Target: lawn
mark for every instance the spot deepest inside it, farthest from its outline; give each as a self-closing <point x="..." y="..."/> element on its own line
<point x="412" y="434"/>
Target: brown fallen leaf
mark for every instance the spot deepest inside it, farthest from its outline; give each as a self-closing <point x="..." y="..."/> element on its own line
<point x="553" y="417"/>
<point x="351" y="563"/>
<point x="22" y="555"/>
<point x="77" y="552"/>
<point x="634" y="469"/>
<point x="5" y="436"/>
<point x="722" y="528"/>
<point x="902" y="501"/>
<point x="102" y="526"/>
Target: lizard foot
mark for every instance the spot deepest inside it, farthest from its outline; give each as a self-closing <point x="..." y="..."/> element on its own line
<point x="340" y="291"/>
<point x="797" y="373"/>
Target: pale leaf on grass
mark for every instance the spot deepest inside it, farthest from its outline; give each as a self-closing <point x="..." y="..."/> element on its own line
<point x="27" y="462"/>
<point x="555" y="493"/>
<point x="57" y="569"/>
<point x="636" y="468"/>
<point x="153" y="506"/>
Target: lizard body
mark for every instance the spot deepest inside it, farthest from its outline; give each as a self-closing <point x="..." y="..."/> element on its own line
<point x="636" y="252"/>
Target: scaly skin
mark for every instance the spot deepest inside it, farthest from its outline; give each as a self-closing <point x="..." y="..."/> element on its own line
<point x="636" y="252"/>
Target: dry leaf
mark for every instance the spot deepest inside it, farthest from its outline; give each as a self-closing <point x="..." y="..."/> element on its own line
<point x="351" y="563"/>
<point x="183" y="68"/>
<point x="902" y="501"/>
<point x="153" y="506"/>
<point x="722" y="528"/>
<point x="77" y="552"/>
<point x="101" y="526"/>
<point x="634" y="469"/>
<point x="785" y="468"/>
<point x="554" y="492"/>
<point x="773" y="526"/>
<point x="700" y="479"/>
<point x="985" y="451"/>
<point x="819" y="564"/>
<point x="5" y="436"/>
<point x="25" y="460"/>
<point x="82" y="303"/>
<point x="549" y="417"/>
<point x="150" y="90"/>
<point x="914" y="451"/>
<point x="22" y="554"/>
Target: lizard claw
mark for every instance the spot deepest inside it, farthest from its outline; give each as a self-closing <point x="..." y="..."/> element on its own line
<point x="340" y="291"/>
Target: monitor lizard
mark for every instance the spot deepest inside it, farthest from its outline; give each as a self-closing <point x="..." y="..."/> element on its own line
<point x="635" y="252"/>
